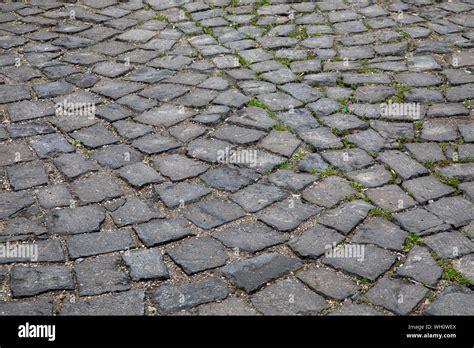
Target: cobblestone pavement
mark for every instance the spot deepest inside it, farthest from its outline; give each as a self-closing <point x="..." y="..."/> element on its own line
<point x="185" y="157"/>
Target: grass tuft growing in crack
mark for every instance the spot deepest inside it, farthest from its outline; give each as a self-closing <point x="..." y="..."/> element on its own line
<point x="411" y="241"/>
<point x="380" y="212"/>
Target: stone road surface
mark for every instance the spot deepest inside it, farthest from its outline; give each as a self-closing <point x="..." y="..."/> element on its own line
<point x="201" y="157"/>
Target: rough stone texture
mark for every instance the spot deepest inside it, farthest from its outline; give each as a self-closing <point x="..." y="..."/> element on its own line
<point x="314" y="242"/>
<point x="396" y="295"/>
<point x="146" y="264"/>
<point x="328" y="191"/>
<point x="251" y="274"/>
<point x="420" y="266"/>
<point x="100" y="275"/>
<point x="122" y="303"/>
<point x="390" y="197"/>
<point x="260" y="127"/>
<point x="374" y="262"/>
<point x="162" y="231"/>
<point x="199" y="254"/>
<point x="171" y="298"/>
<point x="380" y="232"/>
<point x="328" y="282"/>
<point x="230" y="306"/>
<point x="288" y="297"/>
<point x="452" y="302"/>
<point x="249" y="237"/>
<point x="76" y="220"/>
<point x="29" y="281"/>
<point x="288" y="215"/>
<point x="82" y="245"/>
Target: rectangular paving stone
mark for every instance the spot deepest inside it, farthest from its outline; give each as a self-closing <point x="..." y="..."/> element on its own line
<point x="12" y="202"/>
<point x="49" y="250"/>
<point x="402" y="164"/>
<point x="158" y="232"/>
<point x="29" y="281"/>
<point x="116" y="156"/>
<point x="328" y="282"/>
<point x="166" y="115"/>
<point x="40" y="306"/>
<point x="427" y="188"/>
<point x="134" y="211"/>
<point x="178" y="167"/>
<point x="140" y="174"/>
<point x="96" y="188"/>
<point x="256" y="197"/>
<point x="13" y="93"/>
<point x="155" y="143"/>
<point x="75" y="220"/>
<point x="449" y="245"/>
<point x="421" y="266"/>
<point x="420" y="221"/>
<point x="199" y="254"/>
<point x="346" y="216"/>
<point x="251" y="274"/>
<point x="230" y="306"/>
<point x="103" y="242"/>
<point x="51" y="145"/>
<point x="24" y="176"/>
<point x="320" y="138"/>
<point x="249" y="237"/>
<point x="273" y="300"/>
<point x="380" y="232"/>
<point x="180" y="194"/>
<point x="456" y="211"/>
<point x="390" y="197"/>
<point x="328" y="191"/>
<point x="451" y="303"/>
<point x="170" y="298"/>
<point x="74" y="164"/>
<point x="27" y="110"/>
<point x="116" y="89"/>
<point x="211" y="213"/>
<point x="95" y="136"/>
<point x="146" y="264"/>
<point x="14" y="152"/>
<point x="375" y="261"/>
<point x="99" y="275"/>
<point x="123" y="303"/>
<point x="396" y="295"/>
<point x="314" y="242"/>
<point x="288" y="215"/>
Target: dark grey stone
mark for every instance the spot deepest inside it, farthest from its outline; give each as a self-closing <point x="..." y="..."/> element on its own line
<point x="158" y="232"/>
<point x="328" y="282"/>
<point x="146" y="264"/>
<point x="396" y="295"/>
<point x="374" y="261"/>
<point x="288" y="215"/>
<point x="420" y="266"/>
<point x="288" y="297"/>
<point x="76" y="220"/>
<point x="170" y="298"/>
<point x="251" y="274"/>
<point x="29" y="281"/>
<point x="314" y="242"/>
<point x="250" y="237"/>
<point x="123" y="303"/>
<point x="82" y="245"/>
<point x="99" y="275"/>
<point x="199" y="254"/>
<point x="214" y="212"/>
<point x="180" y="194"/>
<point x="96" y="188"/>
